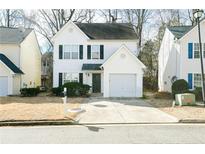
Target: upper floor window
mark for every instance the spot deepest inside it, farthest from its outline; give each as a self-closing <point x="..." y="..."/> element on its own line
<point x="95" y="51"/>
<point x="70" y="77"/>
<point x="71" y="52"/>
<point x="196" y="50"/>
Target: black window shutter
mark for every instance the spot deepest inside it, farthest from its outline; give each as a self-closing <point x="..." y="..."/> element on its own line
<point x="60" y="79"/>
<point x="81" y="51"/>
<point x="81" y="78"/>
<point x="101" y="51"/>
<point x="60" y="51"/>
<point x="89" y="51"/>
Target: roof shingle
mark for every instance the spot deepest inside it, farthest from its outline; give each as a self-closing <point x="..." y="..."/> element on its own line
<point x="13" y="35"/>
<point x="91" y="67"/>
<point x="108" y="30"/>
<point x="179" y="31"/>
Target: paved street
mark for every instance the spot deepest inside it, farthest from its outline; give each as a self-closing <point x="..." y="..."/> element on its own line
<point x="141" y="133"/>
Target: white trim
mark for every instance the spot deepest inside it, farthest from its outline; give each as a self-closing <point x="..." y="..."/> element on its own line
<point x="71" y="52"/>
<point x="203" y="20"/>
<point x="112" y="40"/>
<point x="11" y="72"/>
<point x="118" y="50"/>
<point x="63" y="28"/>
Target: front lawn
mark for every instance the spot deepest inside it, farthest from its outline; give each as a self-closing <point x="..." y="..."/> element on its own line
<point x="36" y="108"/>
<point x="163" y="101"/>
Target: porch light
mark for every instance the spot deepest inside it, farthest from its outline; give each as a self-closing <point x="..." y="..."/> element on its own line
<point x="198" y="13"/>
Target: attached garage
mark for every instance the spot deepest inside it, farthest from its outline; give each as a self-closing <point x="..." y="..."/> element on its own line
<point x="3" y="86"/>
<point x="123" y="74"/>
<point x="9" y="77"/>
<point x="122" y="85"/>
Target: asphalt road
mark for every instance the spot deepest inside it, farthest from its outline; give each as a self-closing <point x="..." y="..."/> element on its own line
<point x="141" y="133"/>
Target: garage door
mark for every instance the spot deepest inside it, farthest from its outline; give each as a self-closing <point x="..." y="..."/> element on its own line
<point x="122" y="85"/>
<point x="3" y="86"/>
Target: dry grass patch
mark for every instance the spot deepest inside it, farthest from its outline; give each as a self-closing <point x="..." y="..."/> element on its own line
<point x="163" y="101"/>
<point x="36" y="108"/>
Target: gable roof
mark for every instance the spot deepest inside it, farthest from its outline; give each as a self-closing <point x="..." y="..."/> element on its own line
<point x="179" y="31"/>
<point x="13" y="35"/>
<point x="108" y="30"/>
<point x="128" y="51"/>
<point x="10" y="64"/>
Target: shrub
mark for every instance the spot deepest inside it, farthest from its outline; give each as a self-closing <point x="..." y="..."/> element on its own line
<point x="76" y="89"/>
<point x="179" y="87"/>
<point x="198" y="93"/>
<point x="29" y="92"/>
<point x="84" y="89"/>
<point x="57" y="91"/>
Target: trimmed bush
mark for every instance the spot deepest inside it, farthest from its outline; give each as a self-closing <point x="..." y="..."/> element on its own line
<point x="29" y="92"/>
<point x="73" y="89"/>
<point x="179" y="87"/>
<point x="57" y="91"/>
<point x="76" y="89"/>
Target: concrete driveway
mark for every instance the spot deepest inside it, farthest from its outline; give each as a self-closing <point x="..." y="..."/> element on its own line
<point x="101" y="110"/>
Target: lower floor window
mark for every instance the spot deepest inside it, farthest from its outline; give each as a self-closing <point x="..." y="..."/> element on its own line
<point x="197" y="80"/>
<point x="70" y="77"/>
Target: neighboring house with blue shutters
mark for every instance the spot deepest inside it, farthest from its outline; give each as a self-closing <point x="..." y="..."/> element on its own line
<point x="102" y="55"/>
<point x="179" y="56"/>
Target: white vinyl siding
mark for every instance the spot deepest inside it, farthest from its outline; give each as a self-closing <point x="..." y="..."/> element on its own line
<point x="70" y="77"/>
<point x="95" y="51"/>
<point x="71" y="52"/>
<point x="196" y="50"/>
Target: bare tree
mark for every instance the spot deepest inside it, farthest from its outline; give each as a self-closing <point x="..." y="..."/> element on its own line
<point x="138" y="18"/>
<point x="11" y="18"/>
<point x="51" y="21"/>
<point x="110" y="15"/>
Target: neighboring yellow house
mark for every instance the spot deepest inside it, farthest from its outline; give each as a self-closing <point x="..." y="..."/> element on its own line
<point x="20" y="60"/>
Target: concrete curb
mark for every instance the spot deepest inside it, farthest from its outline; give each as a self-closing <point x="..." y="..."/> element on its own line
<point x="192" y="121"/>
<point x="66" y="122"/>
<point x="35" y="123"/>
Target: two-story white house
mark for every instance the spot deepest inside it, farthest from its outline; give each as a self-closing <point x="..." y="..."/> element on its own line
<point x="20" y="60"/>
<point x="102" y="55"/>
<point x="179" y="56"/>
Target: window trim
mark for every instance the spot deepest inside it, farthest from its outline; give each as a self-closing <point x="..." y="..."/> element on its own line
<point x="196" y="50"/>
<point x="194" y="77"/>
<point x="96" y="52"/>
<point x="71" y="52"/>
<point x="63" y="77"/>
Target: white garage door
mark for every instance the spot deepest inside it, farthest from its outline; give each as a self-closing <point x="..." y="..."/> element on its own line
<point x="3" y="86"/>
<point x="122" y="85"/>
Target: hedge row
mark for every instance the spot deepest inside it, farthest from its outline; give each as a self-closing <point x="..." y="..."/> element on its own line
<point x="73" y="89"/>
<point x="29" y="92"/>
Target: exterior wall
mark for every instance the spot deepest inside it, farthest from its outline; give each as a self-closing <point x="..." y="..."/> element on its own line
<point x="31" y="61"/>
<point x="87" y="79"/>
<point x="12" y="51"/>
<point x="169" y="61"/>
<point x="190" y="65"/>
<point x="75" y="36"/>
<point x="13" y="80"/>
<point x="125" y="65"/>
<point x="16" y="84"/>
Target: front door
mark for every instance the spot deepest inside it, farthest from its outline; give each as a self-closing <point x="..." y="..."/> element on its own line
<point x="96" y="82"/>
